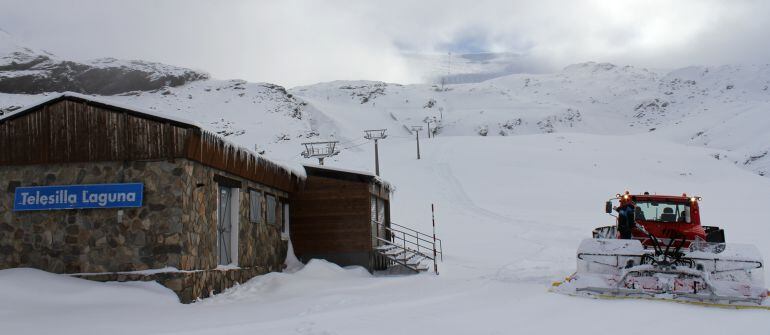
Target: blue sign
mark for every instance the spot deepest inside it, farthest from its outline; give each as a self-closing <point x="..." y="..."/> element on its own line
<point x="41" y="198"/>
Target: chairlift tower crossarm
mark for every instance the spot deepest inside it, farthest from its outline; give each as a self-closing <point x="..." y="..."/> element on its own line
<point x="320" y="150"/>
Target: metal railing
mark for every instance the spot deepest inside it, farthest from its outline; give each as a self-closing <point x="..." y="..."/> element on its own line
<point x="411" y="241"/>
<point x="421" y="237"/>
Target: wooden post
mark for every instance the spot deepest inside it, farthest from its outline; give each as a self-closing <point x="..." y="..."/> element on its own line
<point x="433" y="218"/>
<point x="403" y="236"/>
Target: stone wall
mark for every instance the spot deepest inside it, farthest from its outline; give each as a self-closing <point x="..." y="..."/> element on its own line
<point x="94" y="240"/>
<point x="260" y="244"/>
<point x="175" y="227"/>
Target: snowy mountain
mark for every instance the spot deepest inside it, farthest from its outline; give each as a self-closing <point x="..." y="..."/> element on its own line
<point x="723" y="108"/>
<point x="25" y="70"/>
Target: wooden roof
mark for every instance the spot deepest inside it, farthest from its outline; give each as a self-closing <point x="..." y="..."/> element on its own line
<point x="96" y="102"/>
<point x="70" y="128"/>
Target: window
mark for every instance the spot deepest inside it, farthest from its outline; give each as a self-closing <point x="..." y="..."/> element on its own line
<point x="271" y="210"/>
<point x="662" y="211"/>
<point x="255" y="207"/>
<point x="285" y="221"/>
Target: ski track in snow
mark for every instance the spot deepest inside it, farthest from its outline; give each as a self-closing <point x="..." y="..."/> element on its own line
<point x="458" y="197"/>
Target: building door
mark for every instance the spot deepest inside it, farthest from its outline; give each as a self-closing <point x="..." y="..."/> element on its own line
<point x="225" y="226"/>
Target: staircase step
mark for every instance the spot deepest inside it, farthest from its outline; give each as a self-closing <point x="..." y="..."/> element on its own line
<point x="415" y="260"/>
<point x="386" y="247"/>
<point x="411" y="259"/>
<point x="405" y="255"/>
<point x="398" y="253"/>
<point x="392" y="252"/>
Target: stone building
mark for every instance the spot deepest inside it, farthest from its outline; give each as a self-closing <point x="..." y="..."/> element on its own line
<point x="109" y="193"/>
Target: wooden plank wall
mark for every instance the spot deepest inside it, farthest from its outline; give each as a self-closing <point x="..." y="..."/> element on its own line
<point x="331" y="216"/>
<point x="70" y="131"/>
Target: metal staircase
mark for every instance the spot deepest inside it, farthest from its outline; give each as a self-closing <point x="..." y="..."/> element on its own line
<point x="408" y="248"/>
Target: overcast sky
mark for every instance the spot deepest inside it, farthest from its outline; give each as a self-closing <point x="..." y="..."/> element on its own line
<point x="302" y="42"/>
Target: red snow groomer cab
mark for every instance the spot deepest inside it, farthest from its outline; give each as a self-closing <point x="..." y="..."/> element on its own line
<point x="663" y="217"/>
<point x="658" y="249"/>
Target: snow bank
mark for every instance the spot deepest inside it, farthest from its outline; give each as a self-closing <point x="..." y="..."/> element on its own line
<point x="316" y="276"/>
<point x="29" y="289"/>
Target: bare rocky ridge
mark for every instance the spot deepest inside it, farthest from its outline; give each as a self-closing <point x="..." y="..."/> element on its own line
<point x="43" y="74"/>
<point x="24" y="70"/>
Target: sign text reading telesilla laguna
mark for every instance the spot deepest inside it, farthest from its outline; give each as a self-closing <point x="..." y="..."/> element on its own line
<point x="38" y="198"/>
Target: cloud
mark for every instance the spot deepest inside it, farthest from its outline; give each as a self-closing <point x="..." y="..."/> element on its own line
<point x="297" y="42"/>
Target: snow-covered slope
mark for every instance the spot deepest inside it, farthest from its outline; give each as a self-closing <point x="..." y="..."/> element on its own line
<point x="725" y="108"/>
